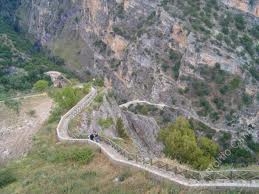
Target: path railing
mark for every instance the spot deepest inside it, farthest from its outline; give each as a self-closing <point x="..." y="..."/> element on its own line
<point x="62" y="128"/>
<point x="249" y="177"/>
<point x="185" y="172"/>
<point x="230" y="174"/>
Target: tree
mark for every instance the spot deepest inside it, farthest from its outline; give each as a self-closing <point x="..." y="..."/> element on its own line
<point x="208" y="146"/>
<point x="41" y="85"/>
<point x="181" y="143"/>
<point x="67" y="97"/>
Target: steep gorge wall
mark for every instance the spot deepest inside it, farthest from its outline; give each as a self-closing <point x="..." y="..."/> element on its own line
<point x="130" y="43"/>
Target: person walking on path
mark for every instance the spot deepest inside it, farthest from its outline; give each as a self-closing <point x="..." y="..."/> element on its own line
<point x="91" y="137"/>
<point x="96" y="137"/>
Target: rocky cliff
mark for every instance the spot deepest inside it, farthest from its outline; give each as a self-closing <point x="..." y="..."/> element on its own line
<point x="201" y="56"/>
<point x="249" y="6"/>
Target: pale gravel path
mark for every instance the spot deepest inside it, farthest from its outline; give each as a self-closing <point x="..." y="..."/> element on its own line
<point x="116" y="158"/>
<point x="162" y="105"/>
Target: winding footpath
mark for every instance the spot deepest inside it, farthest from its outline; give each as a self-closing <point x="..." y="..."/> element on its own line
<point x="119" y="159"/>
<point x="161" y="105"/>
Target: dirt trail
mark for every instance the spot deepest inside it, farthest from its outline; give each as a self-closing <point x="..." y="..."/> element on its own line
<point x="161" y="105"/>
<point x="17" y="130"/>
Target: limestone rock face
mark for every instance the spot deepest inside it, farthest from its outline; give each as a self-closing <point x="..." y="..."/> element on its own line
<point x="145" y="50"/>
<point x="250" y="6"/>
<point x="146" y="130"/>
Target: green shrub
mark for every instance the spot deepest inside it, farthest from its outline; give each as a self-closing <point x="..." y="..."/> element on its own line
<point x="234" y="36"/>
<point x="99" y="98"/>
<point x="206" y="107"/>
<point x="240" y="22"/>
<point x="254" y="72"/>
<point x="231" y="118"/>
<point x="13" y="104"/>
<point x="105" y="123"/>
<point x="121" y="129"/>
<point x="6" y="178"/>
<point x="164" y="67"/>
<point x="140" y="109"/>
<point x="220" y="37"/>
<point x="235" y="83"/>
<point x="67" y="97"/>
<point x="101" y="45"/>
<point x="200" y="88"/>
<point x="120" y="11"/>
<point x="176" y="69"/>
<point x="151" y="18"/>
<point x="224" y="139"/>
<point x="175" y="57"/>
<point x="214" y="116"/>
<point x="181" y="144"/>
<point x="225" y="30"/>
<point x="247" y="99"/>
<point x="251" y="144"/>
<point x="98" y="82"/>
<point x="115" y="63"/>
<point x="72" y="154"/>
<point x="41" y="85"/>
<point x="247" y="43"/>
<point x="208" y="146"/>
<point x="219" y="102"/>
<point x="240" y="156"/>
<point x="224" y="89"/>
<point x="255" y="31"/>
<point x="118" y="30"/>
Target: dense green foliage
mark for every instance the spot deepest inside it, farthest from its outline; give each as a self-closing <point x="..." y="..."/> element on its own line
<point x="181" y="144"/>
<point x="6" y="177"/>
<point x="41" y="85"/>
<point x="66" y="98"/>
<point x="22" y="63"/>
<point x="240" y="157"/>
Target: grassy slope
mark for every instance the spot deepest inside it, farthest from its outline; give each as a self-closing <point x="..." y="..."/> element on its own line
<point x="41" y="171"/>
<point x="52" y="167"/>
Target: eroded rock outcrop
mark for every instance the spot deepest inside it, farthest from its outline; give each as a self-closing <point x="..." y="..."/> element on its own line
<point x="145" y="49"/>
<point x="250" y="6"/>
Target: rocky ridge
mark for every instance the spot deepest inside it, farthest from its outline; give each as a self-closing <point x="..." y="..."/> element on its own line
<point x="158" y="51"/>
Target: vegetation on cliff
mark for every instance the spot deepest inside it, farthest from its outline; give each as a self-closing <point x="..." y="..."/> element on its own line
<point x="22" y="63"/>
<point x="182" y="144"/>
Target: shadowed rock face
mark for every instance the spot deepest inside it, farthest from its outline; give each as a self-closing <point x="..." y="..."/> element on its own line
<point x="148" y="49"/>
<point x="146" y="129"/>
